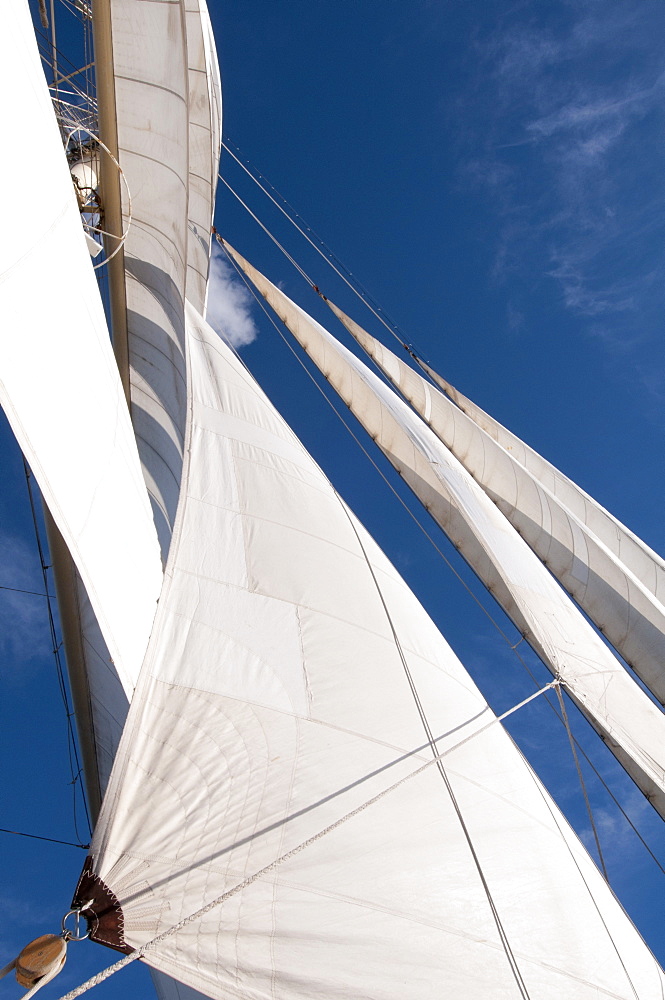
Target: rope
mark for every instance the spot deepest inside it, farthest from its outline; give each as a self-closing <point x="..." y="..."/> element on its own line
<point x="564" y="716"/>
<point x="265" y="229"/>
<point x="510" y="955"/>
<point x="245" y="883"/>
<point x="330" y="258"/>
<point x="51" y="840"/>
<point x="19" y="590"/>
<point x="74" y="765"/>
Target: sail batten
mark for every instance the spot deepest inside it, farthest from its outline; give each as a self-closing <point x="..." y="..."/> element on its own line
<point x="272" y="704"/>
<point x="628" y="721"/>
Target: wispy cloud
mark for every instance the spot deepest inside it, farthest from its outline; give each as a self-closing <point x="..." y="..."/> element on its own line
<point x="562" y="127"/>
<point x="229" y="303"/>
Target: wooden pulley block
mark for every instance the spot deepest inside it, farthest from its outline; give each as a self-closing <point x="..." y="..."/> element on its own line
<point x="44" y="956"/>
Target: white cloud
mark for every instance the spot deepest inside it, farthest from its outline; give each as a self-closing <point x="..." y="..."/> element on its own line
<point x="229" y="303"/>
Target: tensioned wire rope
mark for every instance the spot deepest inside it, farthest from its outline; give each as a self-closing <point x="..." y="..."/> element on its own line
<point x="74" y="761"/>
<point x="562" y="718"/>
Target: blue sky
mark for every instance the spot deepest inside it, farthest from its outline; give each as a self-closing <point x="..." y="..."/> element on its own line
<point x="493" y="174"/>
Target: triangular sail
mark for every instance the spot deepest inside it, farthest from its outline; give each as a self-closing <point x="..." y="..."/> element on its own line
<point x="554" y="517"/>
<point x="628" y="721"/>
<point x="292" y="677"/>
<point x="60" y="386"/>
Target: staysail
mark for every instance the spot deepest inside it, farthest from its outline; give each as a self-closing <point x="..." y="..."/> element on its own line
<point x="631" y="725"/>
<point x="554" y="516"/>
<point x="292" y="680"/>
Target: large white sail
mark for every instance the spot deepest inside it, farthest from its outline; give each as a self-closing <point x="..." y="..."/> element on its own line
<point x="631" y="725"/>
<point x="151" y="70"/>
<point x="205" y="105"/>
<point x="59" y="382"/>
<point x="534" y="497"/>
<point x="291" y="678"/>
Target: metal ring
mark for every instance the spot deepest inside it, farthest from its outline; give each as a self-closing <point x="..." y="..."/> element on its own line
<point x="77" y="921"/>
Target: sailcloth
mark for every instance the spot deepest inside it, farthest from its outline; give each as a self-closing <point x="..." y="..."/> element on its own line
<point x="641" y="560"/>
<point x="613" y="576"/>
<point x="292" y="677"/>
<point x="166" y="98"/>
<point x="631" y="725"/>
<point x="59" y="384"/>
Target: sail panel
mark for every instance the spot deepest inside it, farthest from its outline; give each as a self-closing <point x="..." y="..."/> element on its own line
<point x="60" y="386"/>
<point x="631" y="725"/>
<point x="150" y="66"/>
<point x="647" y="565"/>
<point x="266" y="713"/>
<point x="204" y="146"/>
<point x="616" y="600"/>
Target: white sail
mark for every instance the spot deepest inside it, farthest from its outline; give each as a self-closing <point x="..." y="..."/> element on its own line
<point x="205" y="111"/>
<point x="617" y="601"/>
<point x="641" y="560"/>
<point x="631" y="725"/>
<point x="59" y="382"/>
<point x="150" y="65"/>
<point x="292" y="676"/>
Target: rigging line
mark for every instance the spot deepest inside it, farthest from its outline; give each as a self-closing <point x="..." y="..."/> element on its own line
<point x="19" y="590"/>
<point x="268" y="233"/>
<point x="589" y="810"/>
<point x="592" y="897"/>
<point x="246" y="882"/>
<point x="71" y="742"/>
<point x="510" y="955"/>
<point x="330" y="258"/>
<point x="51" y="840"/>
<point x="447" y="562"/>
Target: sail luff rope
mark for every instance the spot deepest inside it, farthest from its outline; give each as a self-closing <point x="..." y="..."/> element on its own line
<point x="513" y="647"/>
<point x="71" y="742"/>
<point x="246" y="882"/>
<point x="331" y="259"/>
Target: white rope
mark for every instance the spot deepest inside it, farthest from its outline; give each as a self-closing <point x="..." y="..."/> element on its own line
<point x="140" y="952"/>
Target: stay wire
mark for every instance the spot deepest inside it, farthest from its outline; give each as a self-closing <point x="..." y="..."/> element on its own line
<point x="269" y="234"/>
<point x="51" y="840"/>
<point x="564" y="714"/>
<point x="329" y="256"/>
<point x="447" y="562"/>
<point x="74" y="762"/>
